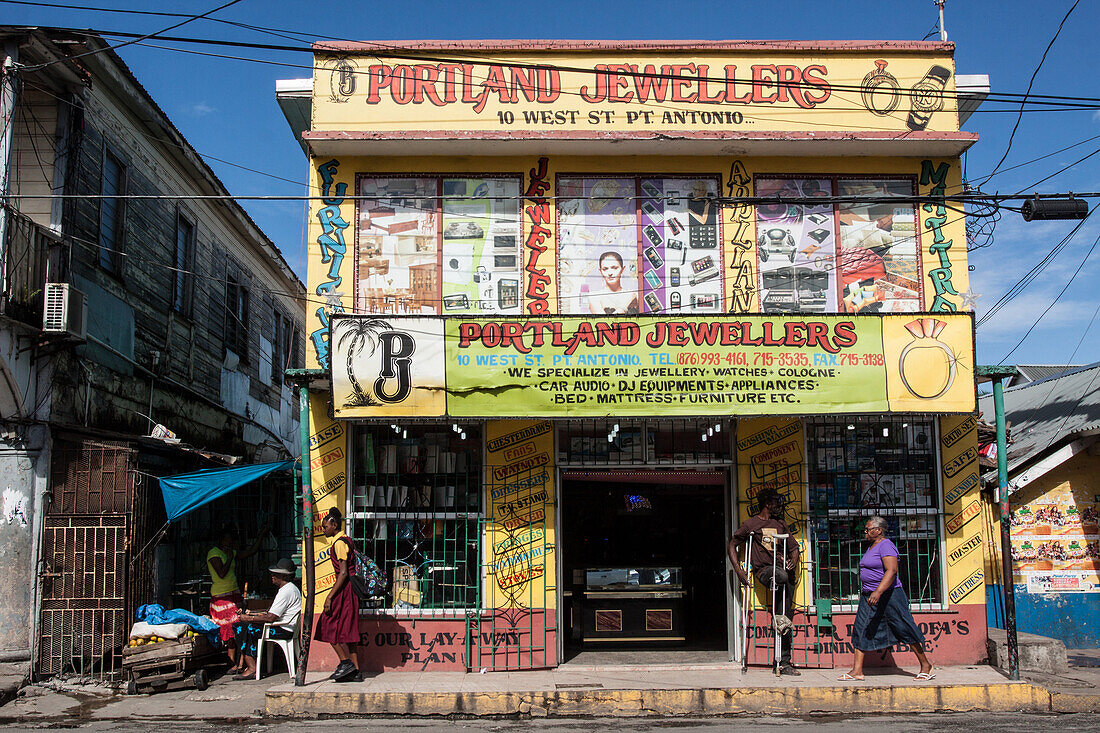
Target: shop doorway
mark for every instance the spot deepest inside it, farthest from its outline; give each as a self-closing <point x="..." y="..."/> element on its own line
<point x="644" y="572"/>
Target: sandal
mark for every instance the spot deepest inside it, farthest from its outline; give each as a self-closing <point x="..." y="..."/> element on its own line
<point x="925" y="676"/>
<point x="849" y="678"/>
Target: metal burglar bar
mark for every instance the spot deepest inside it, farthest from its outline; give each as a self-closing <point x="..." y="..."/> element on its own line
<point x="415" y="507"/>
<point x="865" y="466"/>
<point x="84" y="618"/>
<point x="90" y="477"/>
<point x="514" y="628"/>
<point x="86" y="608"/>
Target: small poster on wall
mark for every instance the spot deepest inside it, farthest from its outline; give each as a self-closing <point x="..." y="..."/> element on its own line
<point x="1056" y="543"/>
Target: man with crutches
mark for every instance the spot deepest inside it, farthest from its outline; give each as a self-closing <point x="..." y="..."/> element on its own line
<point x="774" y="557"/>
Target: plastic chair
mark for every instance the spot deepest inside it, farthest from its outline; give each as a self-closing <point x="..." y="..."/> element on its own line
<point x="289" y="647"/>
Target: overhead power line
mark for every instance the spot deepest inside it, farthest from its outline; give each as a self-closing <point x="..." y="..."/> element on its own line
<point x="1053" y="302"/>
<point x="721" y="200"/>
<point x="1030" y="275"/>
<point x="188" y="19"/>
<point x="398" y="52"/>
<point x="1012" y="135"/>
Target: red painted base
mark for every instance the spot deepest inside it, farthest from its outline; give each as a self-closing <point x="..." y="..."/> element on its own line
<point x="953" y="637"/>
<point x="391" y="643"/>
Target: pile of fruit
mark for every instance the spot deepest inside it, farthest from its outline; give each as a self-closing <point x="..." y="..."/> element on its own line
<point x="157" y="639"/>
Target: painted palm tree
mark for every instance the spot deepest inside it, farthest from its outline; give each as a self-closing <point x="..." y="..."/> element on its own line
<point x="359" y="334"/>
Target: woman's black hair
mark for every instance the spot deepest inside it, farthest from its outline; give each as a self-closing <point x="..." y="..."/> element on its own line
<point x="618" y="257"/>
<point x="335" y="514"/>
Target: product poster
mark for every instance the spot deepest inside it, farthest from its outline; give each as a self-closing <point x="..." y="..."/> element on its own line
<point x="879" y="264"/>
<point x="411" y="256"/>
<point x="630" y="245"/>
<point x="796" y="248"/>
<point x="397" y="246"/>
<point x="598" y="246"/>
<point x="481" y="245"/>
<point x="1056" y="542"/>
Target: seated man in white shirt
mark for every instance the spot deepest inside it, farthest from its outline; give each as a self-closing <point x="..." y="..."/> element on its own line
<point x="283" y="615"/>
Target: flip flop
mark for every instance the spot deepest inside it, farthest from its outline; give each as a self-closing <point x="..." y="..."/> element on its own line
<point x="849" y="678"/>
<point x="925" y="676"/>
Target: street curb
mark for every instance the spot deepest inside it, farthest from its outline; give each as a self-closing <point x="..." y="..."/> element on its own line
<point x="795" y="701"/>
<point x="1069" y="702"/>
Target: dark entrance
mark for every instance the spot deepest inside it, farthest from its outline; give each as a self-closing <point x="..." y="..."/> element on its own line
<point x="622" y="536"/>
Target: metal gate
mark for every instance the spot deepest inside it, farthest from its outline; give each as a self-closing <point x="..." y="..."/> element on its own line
<point x="88" y="586"/>
<point x="84" y="616"/>
<point x="514" y="625"/>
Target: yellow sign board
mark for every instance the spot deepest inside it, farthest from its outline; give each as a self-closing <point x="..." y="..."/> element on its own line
<point x="628" y="91"/>
<point x="651" y="365"/>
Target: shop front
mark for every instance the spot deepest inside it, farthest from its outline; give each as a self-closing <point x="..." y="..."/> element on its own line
<point x="561" y="363"/>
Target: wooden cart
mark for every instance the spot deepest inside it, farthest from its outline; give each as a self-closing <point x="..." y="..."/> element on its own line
<point x="157" y="665"/>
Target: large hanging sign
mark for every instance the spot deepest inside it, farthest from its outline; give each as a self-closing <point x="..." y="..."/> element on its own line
<point x="721" y="88"/>
<point x="651" y="365"/>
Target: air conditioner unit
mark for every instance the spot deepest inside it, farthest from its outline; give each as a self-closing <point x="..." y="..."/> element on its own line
<point x="65" y="311"/>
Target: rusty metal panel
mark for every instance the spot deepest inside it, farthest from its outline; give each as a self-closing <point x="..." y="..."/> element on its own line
<point x="90" y="477"/>
<point x="84" y="616"/>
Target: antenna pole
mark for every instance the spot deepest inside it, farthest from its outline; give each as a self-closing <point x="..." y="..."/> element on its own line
<point x="943" y="31"/>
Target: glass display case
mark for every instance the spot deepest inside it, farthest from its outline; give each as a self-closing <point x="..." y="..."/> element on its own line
<point x="631" y="605"/>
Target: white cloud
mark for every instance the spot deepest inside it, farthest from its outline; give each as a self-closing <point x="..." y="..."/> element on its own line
<point x="1014" y="319"/>
<point x="201" y="109"/>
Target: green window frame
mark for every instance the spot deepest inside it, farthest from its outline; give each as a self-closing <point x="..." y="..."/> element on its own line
<point x="415" y="504"/>
<point x="858" y="467"/>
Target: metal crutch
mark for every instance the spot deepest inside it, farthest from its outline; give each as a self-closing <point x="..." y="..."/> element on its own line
<point x="746" y="592"/>
<point x="775" y="626"/>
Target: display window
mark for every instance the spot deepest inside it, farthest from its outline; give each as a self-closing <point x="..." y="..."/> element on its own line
<point x="865" y="466"/>
<point x="427" y="245"/>
<point x="850" y="256"/>
<point x="639" y="245"/>
<point x="415" y="506"/>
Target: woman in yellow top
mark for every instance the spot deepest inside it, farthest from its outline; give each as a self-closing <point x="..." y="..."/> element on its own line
<point x="226" y="600"/>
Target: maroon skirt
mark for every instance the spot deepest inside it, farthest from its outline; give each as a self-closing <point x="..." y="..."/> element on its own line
<point x="341" y="624"/>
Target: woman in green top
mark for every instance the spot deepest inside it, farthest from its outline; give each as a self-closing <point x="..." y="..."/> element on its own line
<point x="226" y="600"/>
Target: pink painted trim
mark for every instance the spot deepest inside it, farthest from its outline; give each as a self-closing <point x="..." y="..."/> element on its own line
<point x="562" y="45"/>
<point x="783" y="135"/>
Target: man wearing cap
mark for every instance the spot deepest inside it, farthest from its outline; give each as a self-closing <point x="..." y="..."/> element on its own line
<point x="283" y="616"/>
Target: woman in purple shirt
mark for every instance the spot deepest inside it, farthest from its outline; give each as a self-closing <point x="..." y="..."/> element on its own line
<point x="883" y="619"/>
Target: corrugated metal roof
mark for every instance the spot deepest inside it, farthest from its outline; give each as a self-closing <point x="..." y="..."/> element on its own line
<point x="1035" y="372"/>
<point x="1044" y="412"/>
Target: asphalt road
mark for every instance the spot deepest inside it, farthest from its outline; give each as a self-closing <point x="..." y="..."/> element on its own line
<point x="929" y="723"/>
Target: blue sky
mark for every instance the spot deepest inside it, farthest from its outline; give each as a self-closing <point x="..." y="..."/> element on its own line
<point x="226" y="108"/>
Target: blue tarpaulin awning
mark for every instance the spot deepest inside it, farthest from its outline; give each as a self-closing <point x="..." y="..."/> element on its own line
<point x="188" y="491"/>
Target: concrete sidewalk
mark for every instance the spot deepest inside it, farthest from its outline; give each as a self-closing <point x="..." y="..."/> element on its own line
<point x="696" y="690"/>
<point x="628" y="691"/>
<point x="1076" y="689"/>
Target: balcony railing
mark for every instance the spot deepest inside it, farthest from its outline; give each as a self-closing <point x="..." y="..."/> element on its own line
<point x="26" y="250"/>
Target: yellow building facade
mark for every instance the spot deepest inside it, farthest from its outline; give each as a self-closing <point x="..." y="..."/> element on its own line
<point x="578" y="303"/>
